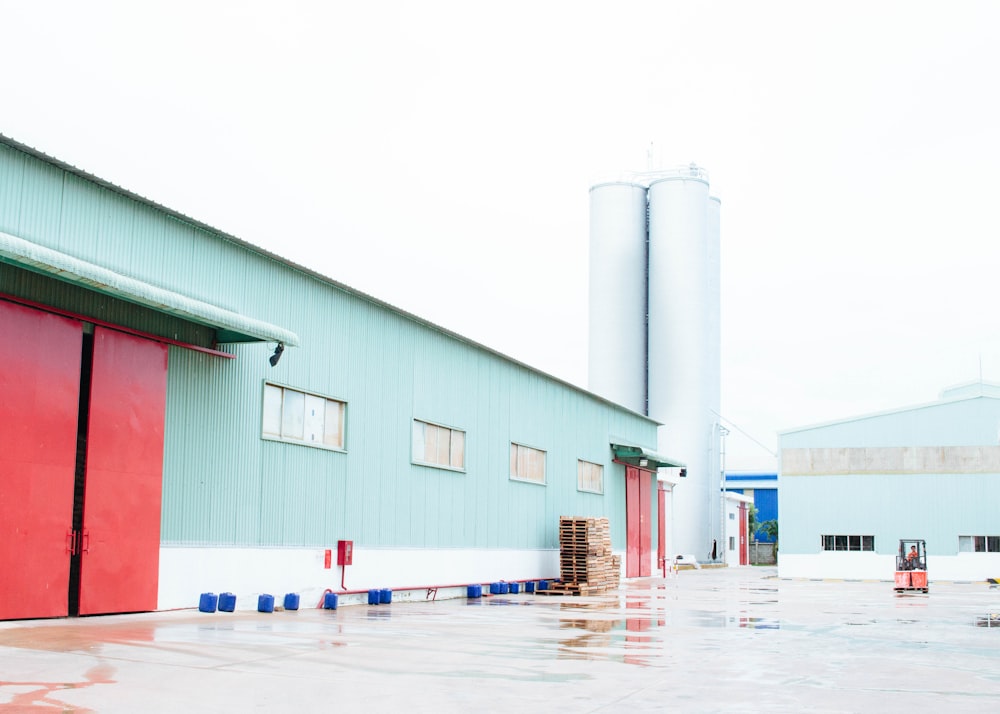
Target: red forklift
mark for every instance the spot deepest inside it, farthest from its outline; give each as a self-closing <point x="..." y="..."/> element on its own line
<point x="911" y="566"/>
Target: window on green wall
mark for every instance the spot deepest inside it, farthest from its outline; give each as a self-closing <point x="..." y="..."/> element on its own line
<point x="848" y="542"/>
<point x="589" y="477"/>
<point x="527" y="464"/>
<point x="436" y="445"/>
<point x="979" y="544"/>
<point x="302" y="418"/>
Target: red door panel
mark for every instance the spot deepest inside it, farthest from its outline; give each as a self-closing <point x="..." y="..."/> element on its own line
<point x="661" y="527"/>
<point x="638" y="522"/>
<point x="744" y="546"/>
<point x="39" y="406"/>
<point x="645" y="524"/>
<point x="119" y="570"/>
<point x="632" y="522"/>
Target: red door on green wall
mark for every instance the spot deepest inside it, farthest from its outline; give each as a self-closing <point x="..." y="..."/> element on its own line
<point x="744" y="546"/>
<point x="638" y="520"/>
<point x="39" y="405"/>
<point x="120" y="539"/>
<point x="661" y="526"/>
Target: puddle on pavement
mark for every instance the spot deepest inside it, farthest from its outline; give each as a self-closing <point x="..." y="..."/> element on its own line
<point x="74" y="638"/>
<point x="38" y="696"/>
<point x="507" y="601"/>
<point x="990" y="620"/>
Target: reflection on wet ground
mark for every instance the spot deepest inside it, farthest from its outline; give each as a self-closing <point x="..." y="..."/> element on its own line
<point x="710" y="640"/>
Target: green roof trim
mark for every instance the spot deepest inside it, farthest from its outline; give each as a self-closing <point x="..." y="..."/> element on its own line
<point x="229" y="326"/>
<point x="635" y="455"/>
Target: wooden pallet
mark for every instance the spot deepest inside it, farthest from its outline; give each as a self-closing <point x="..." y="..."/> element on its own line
<point x="586" y="565"/>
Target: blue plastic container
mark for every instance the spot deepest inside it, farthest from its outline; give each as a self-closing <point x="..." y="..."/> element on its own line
<point x="330" y="601"/>
<point x="227" y="602"/>
<point x="515" y="588"/>
<point x="208" y="602"/>
<point x="385" y="596"/>
<point x="494" y="588"/>
<point x="529" y="587"/>
<point x="504" y="588"/>
<point x="474" y="591"/>
<point x="373" y="597"/>
<point x="265" y="603"/>
<point x="292" y="601"/>
<point x="543" y="584"/>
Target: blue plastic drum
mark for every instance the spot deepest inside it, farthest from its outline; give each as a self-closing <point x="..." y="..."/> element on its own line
<point x="208" y="602"/>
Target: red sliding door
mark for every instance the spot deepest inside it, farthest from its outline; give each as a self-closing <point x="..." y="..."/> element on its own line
<point x="638" y="522"/>
<point x="120" y="539"/>
<point x="39" y="404"/>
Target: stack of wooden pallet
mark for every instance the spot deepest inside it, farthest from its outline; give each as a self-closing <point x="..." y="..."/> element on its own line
<point x="586" y="565"/>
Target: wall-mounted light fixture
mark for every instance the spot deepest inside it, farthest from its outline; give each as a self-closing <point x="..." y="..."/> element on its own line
<point x="273" y="359"/>
<point x="644" y="462"/>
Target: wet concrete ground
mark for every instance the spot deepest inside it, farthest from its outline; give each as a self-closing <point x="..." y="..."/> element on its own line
<point x="736" y="640"/>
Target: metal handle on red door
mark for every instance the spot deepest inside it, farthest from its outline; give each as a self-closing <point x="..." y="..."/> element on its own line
<point x="71" y="542"/>
<point x="85" y="547"/>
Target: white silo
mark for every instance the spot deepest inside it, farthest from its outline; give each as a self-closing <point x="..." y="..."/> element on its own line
<point x="682" y="372"/>
<point x="617" y="339"/>
<point x="717" y="511"/>
<point x="714" y="283"/>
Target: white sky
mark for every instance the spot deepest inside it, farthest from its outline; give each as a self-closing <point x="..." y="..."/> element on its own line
<point x="438" y="156"/>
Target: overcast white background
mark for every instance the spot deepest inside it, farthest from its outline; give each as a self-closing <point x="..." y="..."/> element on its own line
<point x="438" y="156"/>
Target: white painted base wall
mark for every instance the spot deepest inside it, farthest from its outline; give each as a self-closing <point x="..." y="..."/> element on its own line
<point x="186" y="572"/>
<point x="974" y="567"/>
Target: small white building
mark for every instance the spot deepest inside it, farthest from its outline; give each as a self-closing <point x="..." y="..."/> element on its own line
<point x="851" y="489"/>
<point x="736" y="546"/>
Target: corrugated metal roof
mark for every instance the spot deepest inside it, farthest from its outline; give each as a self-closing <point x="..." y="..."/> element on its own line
<point x="887" y="412"/>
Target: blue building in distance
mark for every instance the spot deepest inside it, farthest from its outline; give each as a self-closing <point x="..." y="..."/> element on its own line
<point x="763" y="488"/>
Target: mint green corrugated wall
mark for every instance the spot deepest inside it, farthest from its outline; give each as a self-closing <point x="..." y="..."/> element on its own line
<point x="60" y="210"/>
<point x="223" y="485"/>
<point x="234" y="488"/>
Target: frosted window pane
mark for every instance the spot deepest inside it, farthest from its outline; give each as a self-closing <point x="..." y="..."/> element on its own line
<point x="443" y="452"/>
<point x="272" y="410"/>
<point x="430" y="444"/>
<point x="458" y="449"/>
<point x="315" y="414"/>
<point x="590" y="476"/>
<point x="293" y="414"/>
<point x="333" y="426"/>
<point x="418" y="441"/>
<point x="523" y="462"/>
<point x="538" y="469"/>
